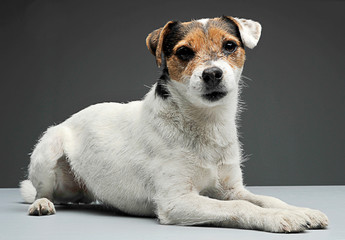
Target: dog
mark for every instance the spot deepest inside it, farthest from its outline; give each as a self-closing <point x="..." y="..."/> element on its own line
<point x="174" y="155"/>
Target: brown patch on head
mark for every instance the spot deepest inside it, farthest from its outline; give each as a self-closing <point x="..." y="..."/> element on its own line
<point x="178" y="68"/>
<point x="207" y="43"/>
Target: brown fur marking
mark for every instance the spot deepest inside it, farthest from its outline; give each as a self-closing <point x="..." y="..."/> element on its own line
<point x="207" y="45"/>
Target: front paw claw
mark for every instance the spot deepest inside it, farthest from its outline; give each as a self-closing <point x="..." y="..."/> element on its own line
<point x="318" y="219"/>
<point x="286" y="221"/>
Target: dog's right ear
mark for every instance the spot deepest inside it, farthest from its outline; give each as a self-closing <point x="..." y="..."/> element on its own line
<point x="154" y="41"/>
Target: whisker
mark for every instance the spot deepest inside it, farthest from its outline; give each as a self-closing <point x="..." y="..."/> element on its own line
<point x="247" y="78"/>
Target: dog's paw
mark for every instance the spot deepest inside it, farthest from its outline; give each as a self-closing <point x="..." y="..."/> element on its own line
<point x="41" y="207"/>
<point x="285" y="221"/>
<point x="317" y="218"/>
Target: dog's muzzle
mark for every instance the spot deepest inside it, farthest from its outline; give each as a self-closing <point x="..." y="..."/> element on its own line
<point x="212" y="78"/>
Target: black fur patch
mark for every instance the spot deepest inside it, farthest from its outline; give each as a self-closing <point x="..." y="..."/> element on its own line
<point x="232" y="28"/>
<point x="161" y="89"/>
<point x="174" y="35"/>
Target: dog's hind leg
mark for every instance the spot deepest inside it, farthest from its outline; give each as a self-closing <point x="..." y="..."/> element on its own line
<point x="42" y="176"/>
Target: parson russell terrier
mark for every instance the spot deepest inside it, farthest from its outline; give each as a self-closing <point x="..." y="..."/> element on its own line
<point x="175" y="154"/>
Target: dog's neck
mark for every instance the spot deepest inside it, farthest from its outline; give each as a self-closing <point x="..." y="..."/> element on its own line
<point x="176" y="111"/>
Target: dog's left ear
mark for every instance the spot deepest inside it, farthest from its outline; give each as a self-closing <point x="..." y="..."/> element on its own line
<point x="154" y="41"/>
<point x="250" y="31"/>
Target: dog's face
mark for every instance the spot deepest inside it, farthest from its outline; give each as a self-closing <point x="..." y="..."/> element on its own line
<point x="203" y="59"/>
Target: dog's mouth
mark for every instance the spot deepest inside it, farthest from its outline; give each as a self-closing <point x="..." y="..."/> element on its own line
<point x="214" y="96"/>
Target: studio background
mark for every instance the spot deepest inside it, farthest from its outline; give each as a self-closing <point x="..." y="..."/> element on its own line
<point x="58" y="57"/>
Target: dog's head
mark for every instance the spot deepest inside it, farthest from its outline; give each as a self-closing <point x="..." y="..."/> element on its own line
<point x="202" y="59"/>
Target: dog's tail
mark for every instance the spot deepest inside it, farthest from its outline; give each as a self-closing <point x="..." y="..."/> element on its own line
<point x="28" y="191"/>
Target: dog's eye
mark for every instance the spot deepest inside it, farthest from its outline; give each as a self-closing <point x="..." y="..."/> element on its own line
<point x="230" y="46"/>
<point x="185" y="53"/>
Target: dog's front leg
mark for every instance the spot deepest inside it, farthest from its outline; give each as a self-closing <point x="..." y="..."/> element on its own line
<point x="193" y="209"/>
<point x="236" y="191"/>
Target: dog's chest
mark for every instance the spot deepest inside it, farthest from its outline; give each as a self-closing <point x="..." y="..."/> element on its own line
<point x="210" y="146"/>
<point x="206" y="180"/>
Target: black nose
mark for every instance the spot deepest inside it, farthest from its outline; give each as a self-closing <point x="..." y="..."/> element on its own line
<point x="212" y="76"/>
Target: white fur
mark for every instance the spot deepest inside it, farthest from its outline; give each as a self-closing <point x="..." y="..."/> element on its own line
<point x="203" y="21"/>
<point x="176" y="158"/>
<point x="250" y="31"/>
<point x="193" y="86"/>
<point x="28" y="191"/>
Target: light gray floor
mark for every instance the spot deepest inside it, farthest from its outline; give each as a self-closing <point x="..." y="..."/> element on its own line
<point x="93" y="222"/>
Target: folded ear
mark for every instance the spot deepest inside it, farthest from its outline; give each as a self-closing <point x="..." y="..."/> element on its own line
<point x="250" y="31"/>
<point x="154" y="41"/>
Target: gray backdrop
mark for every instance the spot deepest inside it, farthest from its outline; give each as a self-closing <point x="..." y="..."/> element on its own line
<point x="58" y="57"/>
